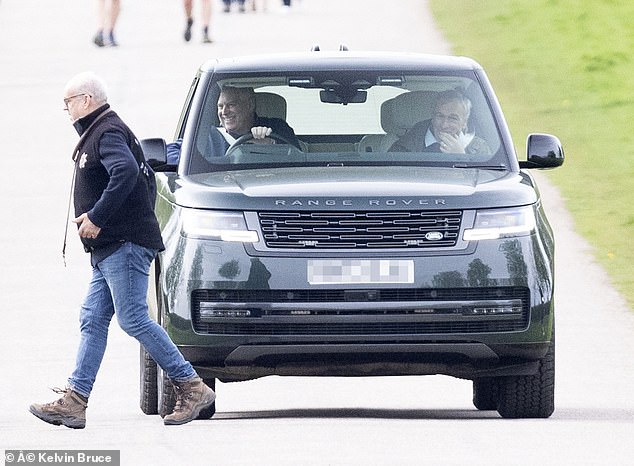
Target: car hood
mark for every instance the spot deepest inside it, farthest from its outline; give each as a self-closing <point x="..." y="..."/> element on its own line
<point x="350" y="188"/>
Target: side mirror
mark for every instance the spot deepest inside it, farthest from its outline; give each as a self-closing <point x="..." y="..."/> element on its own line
<point x="543" y="151"/>
<point x="155" y="153"/>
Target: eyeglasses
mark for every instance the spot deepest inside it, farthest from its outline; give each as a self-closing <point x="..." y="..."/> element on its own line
<point x="68" y="99"/>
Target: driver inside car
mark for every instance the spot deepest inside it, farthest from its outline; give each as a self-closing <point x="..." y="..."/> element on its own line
<point x="237" y="116"/>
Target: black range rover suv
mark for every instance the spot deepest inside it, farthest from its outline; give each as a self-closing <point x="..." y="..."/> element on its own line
<point x="352" y="252"/>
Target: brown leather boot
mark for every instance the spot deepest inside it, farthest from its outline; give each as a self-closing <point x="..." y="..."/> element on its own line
<point x="69" y="410"/>
<point x="192" y="396"/>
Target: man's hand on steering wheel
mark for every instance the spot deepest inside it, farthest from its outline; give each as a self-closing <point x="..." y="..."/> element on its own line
<point x="249" y="138"/>
<point x="261" y="135"/>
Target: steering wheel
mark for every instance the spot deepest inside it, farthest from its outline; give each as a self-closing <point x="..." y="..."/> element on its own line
<point x="245" y="138"/>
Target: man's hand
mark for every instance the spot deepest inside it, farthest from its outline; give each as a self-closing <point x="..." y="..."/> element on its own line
<point x="261" y="134"/>
<point x="87" y="229"/>
<point x="451" y="143"/>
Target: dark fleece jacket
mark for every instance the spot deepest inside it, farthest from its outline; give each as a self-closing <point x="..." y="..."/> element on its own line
<point x="111" y="187"/>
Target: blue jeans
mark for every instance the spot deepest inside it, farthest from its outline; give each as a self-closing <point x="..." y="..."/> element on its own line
<point x="119" y="286"/>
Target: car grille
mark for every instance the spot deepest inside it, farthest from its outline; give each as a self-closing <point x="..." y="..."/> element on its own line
<point x="272" y="311"/>
<point x="360" y="230"/>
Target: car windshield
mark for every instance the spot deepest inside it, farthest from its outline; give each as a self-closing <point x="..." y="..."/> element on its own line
<point x="349" y="118"/>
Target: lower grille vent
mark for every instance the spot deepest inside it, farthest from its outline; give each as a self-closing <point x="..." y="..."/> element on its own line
<point x="376" y="312"/>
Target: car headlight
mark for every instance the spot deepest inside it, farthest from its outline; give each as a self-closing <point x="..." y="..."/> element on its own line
<point x="501" y="223"/>
<point x="216" y="225"/>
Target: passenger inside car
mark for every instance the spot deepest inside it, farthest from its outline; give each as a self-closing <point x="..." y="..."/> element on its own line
<point x="447" y="131"/>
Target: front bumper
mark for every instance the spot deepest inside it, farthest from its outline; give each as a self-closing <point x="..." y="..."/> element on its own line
<point x="439" y="324"/>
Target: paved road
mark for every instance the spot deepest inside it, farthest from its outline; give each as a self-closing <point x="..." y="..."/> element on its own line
<point x="414" y="420"/>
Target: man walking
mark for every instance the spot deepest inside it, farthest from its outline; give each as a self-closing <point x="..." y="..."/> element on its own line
<point x="117" y="226"/>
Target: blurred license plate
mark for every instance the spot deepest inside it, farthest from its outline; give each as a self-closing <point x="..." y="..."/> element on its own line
<point x="351" y="271"/>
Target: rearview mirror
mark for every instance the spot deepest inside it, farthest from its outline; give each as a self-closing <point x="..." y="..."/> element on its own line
<point x="344" y="95"/>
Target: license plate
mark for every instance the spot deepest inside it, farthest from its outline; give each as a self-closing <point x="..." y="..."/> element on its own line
<point x="356" y="271"/>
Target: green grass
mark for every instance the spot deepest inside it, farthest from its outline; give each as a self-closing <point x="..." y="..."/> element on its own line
<point x="566" y="67"/>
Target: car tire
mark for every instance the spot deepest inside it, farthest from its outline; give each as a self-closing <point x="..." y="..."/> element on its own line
<point x="485" y="393"/>
<point x="208" y="412"/>
<point x="530" y="396"/>
<point x="166" y="394"/>
<point x="148" y="389"/>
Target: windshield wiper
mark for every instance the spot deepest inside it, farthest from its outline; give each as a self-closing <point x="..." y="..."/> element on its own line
<point x="482" y="167"/>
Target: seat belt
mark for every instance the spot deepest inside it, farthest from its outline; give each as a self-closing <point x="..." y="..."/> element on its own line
<point x="230" y="139"/>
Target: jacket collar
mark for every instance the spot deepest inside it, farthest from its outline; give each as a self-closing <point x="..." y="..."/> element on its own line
<point x="84" y="122"/>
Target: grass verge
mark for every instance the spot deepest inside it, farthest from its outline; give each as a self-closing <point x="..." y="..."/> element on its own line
<point x="565" y="67"/>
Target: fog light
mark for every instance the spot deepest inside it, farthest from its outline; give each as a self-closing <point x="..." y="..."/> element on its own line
<point x="209" y="311"/>
<point x="497" y="310"/>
